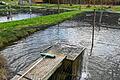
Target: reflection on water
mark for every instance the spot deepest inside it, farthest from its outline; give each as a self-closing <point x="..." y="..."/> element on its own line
<point x="19" y="16"/>
<point x="104" y="64"/>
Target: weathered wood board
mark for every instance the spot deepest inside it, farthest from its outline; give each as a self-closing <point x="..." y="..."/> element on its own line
<point x="44" y="69"/>
<point x="66" y="56"/>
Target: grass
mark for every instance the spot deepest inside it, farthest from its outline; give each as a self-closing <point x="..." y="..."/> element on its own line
<point x="67" y="6"/>
<point x="116" y="8"/>
<point x="8" y="1"/>
<point x="15" y="30"/>
<point x="12" y="31"/>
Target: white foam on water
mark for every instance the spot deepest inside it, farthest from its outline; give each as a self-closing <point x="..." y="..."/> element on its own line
<point x="85" y="76"/>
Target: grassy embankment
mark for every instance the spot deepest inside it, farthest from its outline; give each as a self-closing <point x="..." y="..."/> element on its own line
<point x="15" y="30"/>
<point x="116" y="8"/>
<point x="12" y="31"/>
<point x="67" y="6"/>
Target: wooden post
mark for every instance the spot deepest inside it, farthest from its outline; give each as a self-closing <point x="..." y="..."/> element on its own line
<point x="102" y="3"/>
<point x="100" y="20"/>
<point x="94" y="3"/>
<point x="80" y="4"/>
<point x="70" y="2"/>
<point x="58" y="23"/>
<point x="49" y="2"/>
<point x="20" y="2"/>
<point x="30" y="2"/>
<point x="58" y="6"/>
<point x="93" y="32"/>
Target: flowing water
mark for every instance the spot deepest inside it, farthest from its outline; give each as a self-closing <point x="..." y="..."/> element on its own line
<point x="104" y="64"/>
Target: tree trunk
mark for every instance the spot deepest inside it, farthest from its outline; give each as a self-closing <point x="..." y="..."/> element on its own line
<point x="30" y="2"/>
<point x="20" y="2"/>
<point x="70" y="2"/>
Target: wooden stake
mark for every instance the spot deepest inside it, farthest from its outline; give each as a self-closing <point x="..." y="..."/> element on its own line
<point x="58" y="23"/>
<point x="93" y="32"/>
<point x="94" y="4"/>
<point x="100" y="20"/>
<point x="49" y="1"/>
<point x="58" y="6"/>
<point x="101" y="13"/>
<point x="80" y="5"/>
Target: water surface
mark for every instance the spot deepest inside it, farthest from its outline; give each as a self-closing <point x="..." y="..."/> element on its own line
<point x="19" y="16"/>
<point x="104" y="64"/>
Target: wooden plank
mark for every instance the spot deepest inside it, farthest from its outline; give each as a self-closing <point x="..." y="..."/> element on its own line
<point x="48" y="66"/>
<point x="71" y="51"/>
<point x="44" y="69"/>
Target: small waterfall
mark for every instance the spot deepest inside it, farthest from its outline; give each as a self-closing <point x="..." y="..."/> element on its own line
<point x="85" y="73"/>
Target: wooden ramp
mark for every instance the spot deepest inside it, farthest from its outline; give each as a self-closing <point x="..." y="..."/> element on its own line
<point x="43" y="70"/>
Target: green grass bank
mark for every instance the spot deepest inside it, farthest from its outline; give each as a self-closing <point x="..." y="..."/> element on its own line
<point x="15" y="30"/>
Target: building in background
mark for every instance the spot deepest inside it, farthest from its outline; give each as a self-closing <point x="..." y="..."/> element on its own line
<point x="97" y="2"/>
<point x="37" y="1"/>
<point x="56" y="1"/>
<point x="21" y="2"/>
